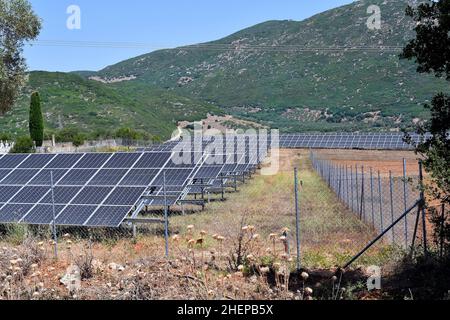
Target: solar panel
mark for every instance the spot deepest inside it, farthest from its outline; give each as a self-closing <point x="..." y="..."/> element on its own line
<point x="108" y="216"/>
<point x="100" y="189"/>
<point x="11" y="213"/>
<point x="75" y="215"/>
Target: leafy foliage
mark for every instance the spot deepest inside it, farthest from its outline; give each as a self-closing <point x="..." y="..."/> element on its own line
<point x="36" y="122"/>
<point x="18" y="24"/>
<point x="431" y="49"/>
<point x="23" y="144"/>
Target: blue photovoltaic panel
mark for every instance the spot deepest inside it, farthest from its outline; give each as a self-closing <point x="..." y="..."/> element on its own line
<point x="174" y="177"/>
<point x="108" y="216"/>
<point x="30" y="195"/>
<point x="43" y="178"/>
<point x="41" y="214"/>
<point x="92" y="195"/>
<point x="36" y="161"/>
<point x="10" y="161"/>
<point x="7" y="192"/>
<point x="62" y="195"/>
<point x="93" y="160"/>
<point x="19" y="177"/>
<point x="75" y="215"/>
<point x="153" y="160"/>
<point x="4" y="173"/>
<point x="122" y="160"/>
<point x="139" y="177"/>
<point x="13" y="212"/>
<point x="108" y="177"/>
<point x="77" y="177"/>
<point x="64" y="161"/>
<point x="124" y="196"/>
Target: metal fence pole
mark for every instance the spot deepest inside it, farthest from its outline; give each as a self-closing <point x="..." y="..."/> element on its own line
<point x="372" y="202"/>
<point x="297" y="218"/>
<point x="55" y="237"/>
<point x="380" y="193"/>
<point x="347" y="183"/>
<point x="340" y="182"/>
<point x="441" y="251"/>
<point x="352" y="187"/>
<point x="166" y="216"/>
<point x="405" y="201"/>
<point x="362" y="214"/>
<point x="424" y="218"/>
<point x="391" y="192"/>
<point x="357" y="189"/>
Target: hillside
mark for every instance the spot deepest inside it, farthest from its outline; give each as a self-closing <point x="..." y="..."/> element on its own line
<point x="324" y="73"/>
<point x="69" y="100"/>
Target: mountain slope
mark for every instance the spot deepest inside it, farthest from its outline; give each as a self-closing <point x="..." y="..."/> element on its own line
<point x="342" y="81"/>
<point x="69" y="100"/>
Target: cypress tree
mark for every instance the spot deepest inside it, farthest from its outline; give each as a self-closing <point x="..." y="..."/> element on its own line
<point x="36" y="122"/>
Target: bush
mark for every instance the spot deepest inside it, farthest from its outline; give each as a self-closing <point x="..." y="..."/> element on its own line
<point x="23" y="144"/>
<point x="78" y="140"/>
<point x="5" y="136"/>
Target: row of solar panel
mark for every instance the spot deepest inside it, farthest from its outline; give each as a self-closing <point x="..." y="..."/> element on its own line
<point x="71" y="215"/>
<point x="88" y="186"/>
<point x="95" y="182"/>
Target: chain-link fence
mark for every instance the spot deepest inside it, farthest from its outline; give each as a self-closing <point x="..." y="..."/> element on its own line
<point x="379" y="198"/>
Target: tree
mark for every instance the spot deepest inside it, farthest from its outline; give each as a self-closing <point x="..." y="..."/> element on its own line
<point x="18" y="24"/>
<point x="36" y="121"/>
<point x="23" y="144"/>
<point x="431" y="51"/>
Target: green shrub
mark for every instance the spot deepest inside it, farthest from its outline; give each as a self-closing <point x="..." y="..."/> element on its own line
<point x="5" y="136"/>
<point x="23" y="144"/>
<point x="78" y="140"/>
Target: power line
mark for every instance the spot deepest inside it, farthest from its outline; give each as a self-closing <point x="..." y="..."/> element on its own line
<point x="220" y="47"/>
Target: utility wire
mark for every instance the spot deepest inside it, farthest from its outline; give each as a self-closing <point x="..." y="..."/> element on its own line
<point x="219" y="46"/>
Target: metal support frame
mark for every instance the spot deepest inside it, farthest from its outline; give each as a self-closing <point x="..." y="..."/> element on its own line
<point x="405" y="199"/>
<point x="166" y="217"/>
<point x="297" y="217"/>
<point x="372" y="243"/>
<point x="391" y="196"/>
<point x="55" y="236"/>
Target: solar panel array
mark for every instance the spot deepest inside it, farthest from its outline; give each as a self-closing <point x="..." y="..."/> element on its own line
<point x="101" y="189"/>
<point x="364" y="141"/>
<point x="92" y="189"/>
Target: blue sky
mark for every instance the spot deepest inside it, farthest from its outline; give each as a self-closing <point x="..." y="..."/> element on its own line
<point x="155" y="23"/>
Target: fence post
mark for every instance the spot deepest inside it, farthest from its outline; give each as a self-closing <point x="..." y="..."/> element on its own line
<point x="442" y="231"/>
<point x="166" y="216"/>
<point x="405" y="201"/>
<point x="357" y="189"/>
<point x="380" y="192"/>
<point x="391" y="191"/>
<point x="297" y="218"/>
<point x="372" y="200"/>
<point x="423" y="200"/>
<point x="363" y="209"/>
<point x="55" y="237"/>
<point x="352" y="187"/>
<point x="347" y="183"/>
